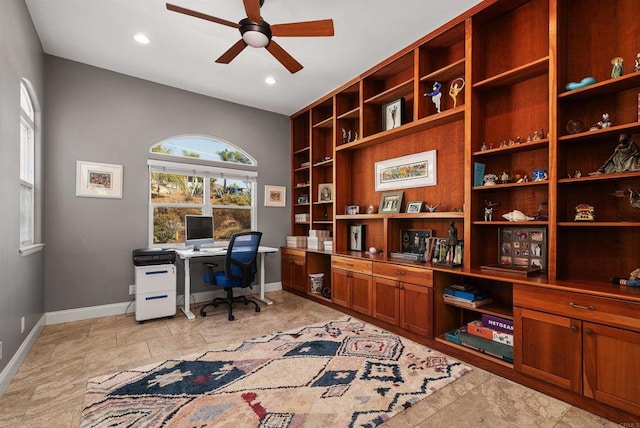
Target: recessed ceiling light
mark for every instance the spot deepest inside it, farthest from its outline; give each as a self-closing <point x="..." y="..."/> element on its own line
<point x="141" y="38"/>
<point x="270" y="80"/>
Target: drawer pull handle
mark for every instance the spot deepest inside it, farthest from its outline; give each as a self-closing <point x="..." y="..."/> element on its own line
<point x="574" y="329"/>
<point x="156" y="272"/>
<point x="163" y="296"/>
<point x="400" y="272"/>
<point x="587" y="308"/>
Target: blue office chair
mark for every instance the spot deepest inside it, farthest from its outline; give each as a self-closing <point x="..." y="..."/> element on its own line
<point x="240" y="269"/>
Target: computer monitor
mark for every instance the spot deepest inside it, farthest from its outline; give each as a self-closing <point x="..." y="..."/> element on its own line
<point x="198" y="230"/>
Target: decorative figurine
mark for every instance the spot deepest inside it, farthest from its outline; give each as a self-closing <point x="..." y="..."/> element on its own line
<point x="636" y="65"/>
<point x="505" y="177"/>
<point x="540" y="216"/>
<point x="483" y="147"/>
<point x="574" y="126"/>
<point x="432" y="209"/>
<point x="536" y="136"/>
<point x="373" y="250"/>
<point x="529" y="138"/>
<point x="585" y="212"/>
<point x="355" y="136"/>
<point x="488" y="209"/>
<point x="516" y="215"/>
<point x="542" y="135"/>
<point x="455" y="88"/>
<point x="634" y="198"/>
<point x="590" y="80"/>
<point x="618" y="67"/>
<point x="490" y="179"/>
<point x="539" y="175"/>
<point x="523" y="179"/>
<point x="625" y="157"/>
<point x="632" y="281"/>
<point x="344" y="136"/>
<point x="604" y="123"/>
<point x="435" y="95"/>
<point x="371" y="209"/>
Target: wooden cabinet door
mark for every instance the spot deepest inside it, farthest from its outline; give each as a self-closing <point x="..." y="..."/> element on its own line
<point x="386" y="300"/>
<point x="286" y="271"/>
<point x="361" y="292"/>
<point x="611" y="372"/>
<point x="548" y="347"/>
<point x="299" y="278"/>
<point x="340" y="291"/>
<point x="416" y="308"/>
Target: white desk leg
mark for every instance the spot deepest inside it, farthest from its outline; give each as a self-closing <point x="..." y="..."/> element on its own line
<point x="187" y="291"/>
<point x="262" y="298"/>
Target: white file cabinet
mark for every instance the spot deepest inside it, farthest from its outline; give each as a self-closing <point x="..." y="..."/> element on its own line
<point x="155" y="291"/>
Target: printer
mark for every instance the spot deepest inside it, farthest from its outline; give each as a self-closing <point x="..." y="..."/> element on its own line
<point x="153" y="256"/>
<point x="155" y="275"/>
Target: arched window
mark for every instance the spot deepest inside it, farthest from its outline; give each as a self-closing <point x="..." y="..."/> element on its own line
<point x="27" y="170"/>
<point x="192" y="176"/>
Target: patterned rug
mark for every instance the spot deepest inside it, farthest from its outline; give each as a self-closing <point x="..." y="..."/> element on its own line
<point x="345" y="373"/>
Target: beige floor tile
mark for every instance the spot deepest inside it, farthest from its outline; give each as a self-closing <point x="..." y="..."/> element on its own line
<point x="161" y="345"/>
<point x="578" y="418"/>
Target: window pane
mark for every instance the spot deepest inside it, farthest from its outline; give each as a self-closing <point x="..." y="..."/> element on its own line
<point x="209" y="149"/>
<point x="25" y="101"/>
<point x="230" y="192"/>
<point x="26" y="152"/>
<point x="26" y="215"/>
<point x="176" y="189"/>
<point x="168" y="224"/>
<point x="227" y="221"/>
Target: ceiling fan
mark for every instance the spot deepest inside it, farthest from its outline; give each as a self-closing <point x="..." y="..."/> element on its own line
<point x="257" y="33"/>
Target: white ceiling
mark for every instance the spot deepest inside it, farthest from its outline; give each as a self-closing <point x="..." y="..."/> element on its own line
<point x="183" y="49"/>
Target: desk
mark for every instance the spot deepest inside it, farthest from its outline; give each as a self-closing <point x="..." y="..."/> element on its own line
<point x="187" y="255"/>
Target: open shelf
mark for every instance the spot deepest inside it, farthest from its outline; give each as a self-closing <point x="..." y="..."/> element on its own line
<point x="524" y="72"/>
<point x="522" y="147"/>
<point x="627" y="81"/>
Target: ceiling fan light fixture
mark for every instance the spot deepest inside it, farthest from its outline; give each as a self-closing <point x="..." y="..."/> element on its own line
<point x="255" y="34"/>
<point x="255" y="39"/>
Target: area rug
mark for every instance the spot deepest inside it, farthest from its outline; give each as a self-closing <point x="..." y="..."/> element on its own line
<point x="344" y="373"/>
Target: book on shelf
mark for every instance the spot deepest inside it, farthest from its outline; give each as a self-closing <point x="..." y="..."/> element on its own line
<point x="465" y="302"/>
<point x="469" y="294"/>
<point x="460" y="336"/>
<point x="463" y="287"/>
<point x="497" y="323"/>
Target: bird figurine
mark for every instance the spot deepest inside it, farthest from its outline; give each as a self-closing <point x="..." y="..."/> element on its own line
<point x="433" y="208"/>
<point x="516" y="215"/>
<point x="634" y="198"/>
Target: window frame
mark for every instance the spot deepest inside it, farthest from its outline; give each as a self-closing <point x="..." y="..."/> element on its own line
<point x="29" y="170"/>
<point x="207" y="172"/>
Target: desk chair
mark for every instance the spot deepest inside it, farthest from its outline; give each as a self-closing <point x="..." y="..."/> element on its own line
<point x="239" y="271"/>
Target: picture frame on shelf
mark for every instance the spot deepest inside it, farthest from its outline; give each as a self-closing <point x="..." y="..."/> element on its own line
<point x="416" y="170"/>
<point x="521" y="249"/>
<point x="390" y="202"/>
<point x="393" y="114"/>
<point x="352" y="209"/>
<point x="98" y="180"/>
<point x="414" y="207"/>
<point x="357" y="237"/>
<point x="411" y="241"/>
<point x="325" y="192"/>
<point x="275" y="196"/>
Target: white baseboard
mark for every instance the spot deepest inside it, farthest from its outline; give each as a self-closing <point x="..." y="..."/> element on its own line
<point x="6" y="376"/>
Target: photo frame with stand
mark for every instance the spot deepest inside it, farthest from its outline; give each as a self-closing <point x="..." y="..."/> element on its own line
<point x="325" y="192"/>
<point x="414" y="207"/>
<point x="357" y="237"/>
<point x="521" y="250"/>
<point x="390" y="202"/>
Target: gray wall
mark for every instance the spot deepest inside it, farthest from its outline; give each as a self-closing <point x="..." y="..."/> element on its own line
<point x="96" y="115"/>
<point x="21" y="278"/>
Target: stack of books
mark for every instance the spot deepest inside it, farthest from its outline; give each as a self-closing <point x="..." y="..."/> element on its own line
<point x="491" y="335"/>
<point x="297" y="241"/>
<point x="302" y="218"/>
<point x="317" y="239"/>
<point x="466" y="296"/>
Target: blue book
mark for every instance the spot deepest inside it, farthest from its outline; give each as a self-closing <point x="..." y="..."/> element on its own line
<point x="478" y="173"/>
<point x="465" y="294"/>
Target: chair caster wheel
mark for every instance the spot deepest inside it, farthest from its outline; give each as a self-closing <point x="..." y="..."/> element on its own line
<point x="231" y="317"/>
<point x="257" y="309"/>
<point x="246" y="303"/>
<point x="203" y="313"/>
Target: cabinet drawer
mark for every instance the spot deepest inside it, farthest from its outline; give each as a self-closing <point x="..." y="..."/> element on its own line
<point x="601" y="310"/>
<point x="353" y="265"/>
<point x="402" y="273"/>
<point x="151" y="279"/>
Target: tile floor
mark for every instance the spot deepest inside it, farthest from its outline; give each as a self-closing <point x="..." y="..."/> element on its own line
<point x="48" y="390"/>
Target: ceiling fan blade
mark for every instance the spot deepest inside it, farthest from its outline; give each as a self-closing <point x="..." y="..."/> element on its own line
<point x="232" y="52"/>
<point x="196" y="14"/>
<point x="285" y="59"/>
<point x="252" y="7"/>
<point x="322" y="28"/>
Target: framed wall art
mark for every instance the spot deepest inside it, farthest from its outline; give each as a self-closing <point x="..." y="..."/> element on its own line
<point x="98" y="180"/>
<point x="415" y="170"/>
<point x="393" y="114"/>
<point x="275" y="196"/>
<point x="522" y="249"/>
<point x="357" y="237"/>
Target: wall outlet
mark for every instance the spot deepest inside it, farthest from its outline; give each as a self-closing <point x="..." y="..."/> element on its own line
<point x="132" y="289"/>
<point x="21" y="325"/>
